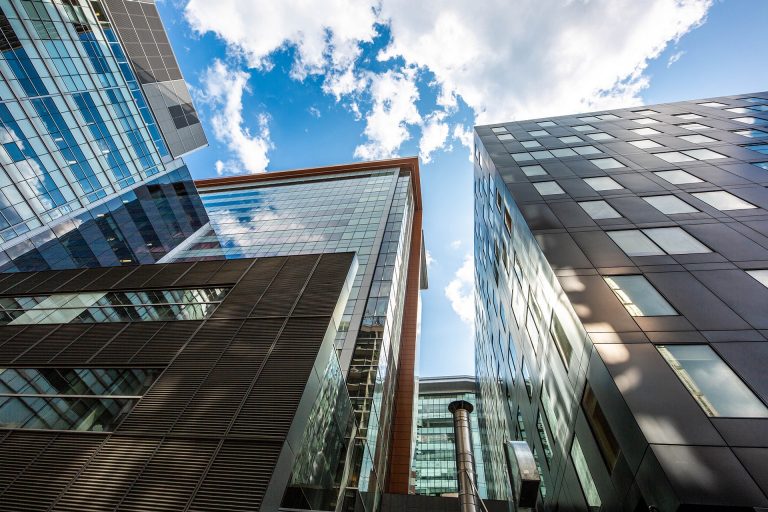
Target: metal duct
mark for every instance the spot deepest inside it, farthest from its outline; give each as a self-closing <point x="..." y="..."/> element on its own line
<point x="465" y="460"/>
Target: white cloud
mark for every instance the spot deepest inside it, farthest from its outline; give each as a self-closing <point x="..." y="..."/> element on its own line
<point x="314" y="112"/>
<point x="675" y="57"/>
<point x="460" y="291"/>
<point x="539" y="57"/>
<point x="456" y="244"/>
<point x="434" y="134"/>
<point x="429" y="258"/>
<point x="222" y="90"/>
<point x="394" y="95"/>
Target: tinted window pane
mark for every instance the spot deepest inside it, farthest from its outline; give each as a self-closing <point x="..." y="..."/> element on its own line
<point x="547" y="188"/>
<point x="639" y="296"/>
<point x="599" y="210"/>
<point x="723" y="200"/>
<point x="585" y="477"/>
<point x="670" y="205"/>
<point x="678" y="177"/>
<point x="676" y="241"/>
<point x="634" y="243"/>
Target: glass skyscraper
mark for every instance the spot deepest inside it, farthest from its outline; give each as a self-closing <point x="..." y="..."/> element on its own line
<point x="622" y="304"/>
<point x="434" y="457"/>
<point x="91" y="136"/>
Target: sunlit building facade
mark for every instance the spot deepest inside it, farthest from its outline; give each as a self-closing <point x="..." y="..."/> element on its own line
<point x="434" y="457"/>
<point x="621" y="263"/>
<point x="92" y="130"/>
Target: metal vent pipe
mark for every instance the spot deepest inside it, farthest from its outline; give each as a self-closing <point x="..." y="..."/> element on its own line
<point x="465" y="460"/>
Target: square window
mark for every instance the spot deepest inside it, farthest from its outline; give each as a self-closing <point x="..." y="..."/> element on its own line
<point x="670" y="205"/>
<point x="739" y="110"/>
<point x="760" y="275"/>
<point x="548" y="188"/>
<point x="530" y="144"/>
<point x="711" y="382"/>
<point x="723" y="200"/>
<point x="634" y="243"/>
<point x="538" y="133"/>
<point x="589" y="119"/>
<point x="757" y="121"/>
<point x="602" y="183"/>
<point x="688" y="116"/>
<point x="752" y="134"/>
<point x="600" y="136"/>
<point x="542" y="155"/>
<point x="645" y="120"/>
<point x="713" y="104"/>
<point x="521" y="157"/>
<point x="695" y="126"/>
<point x="646" y="112"/>
<point x="703" y="154"/>
<point x="645" y="131"/>
<point x="607" y="163"/>
<point x="639" y="297"/>
<point x="676" y="241"/>
<point x="583" y="128"/>
<point x="678" y="177"/>
<point x="599" y="210"/>
<point x="673" y="157"/>
<point x="499" y="129"/>
<point x="608" y="117"/>
<point x="645" y="144"/>
<point x="697" y="138"/>
<point x="506" y="136"/>
<point x="570" y="139"/>
<point x="533" y="170"/>
<point x="587" y="150"/>
<point x="545" y="124"/>
<point x="563" y="152"/>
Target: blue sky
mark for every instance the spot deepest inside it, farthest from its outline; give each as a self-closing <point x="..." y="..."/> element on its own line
<point x="303" y="83"/>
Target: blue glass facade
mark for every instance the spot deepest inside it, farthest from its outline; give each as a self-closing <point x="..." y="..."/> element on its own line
<point x="82" y="155"/>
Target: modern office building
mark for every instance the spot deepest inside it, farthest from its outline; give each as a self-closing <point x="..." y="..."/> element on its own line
<point x="94" y="115"/>
<point x="207" y="385"/>
<point x="622" y="304"/>
<point x="434" y="458"/>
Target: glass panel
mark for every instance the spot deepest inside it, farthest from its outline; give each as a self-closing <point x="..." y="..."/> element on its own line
<point x="688" y="116"/>
<point x="562" y="342"/>
<point x="639" y="296"/>
<point x="570" y="139"/>
<point x="646" y="120"/>
<point x="533" y="170"/>
<point x="545" y="124"/>
<point x="606" y="441"/>
<point x="541" y="155"/>
<point x="673" y="157"/>
<point x="760" y="275"/>
<point x="670" y="205"/>
<point x="587" y="150"/>
<point x="544" y="437"/>
<point x="499" y="129"/>
<point x="752" y="120"/>
<point x="752" y="134"/>
<point x="634" y="243"/>
<point x="697" y="139"/>
<point x="506" y="136"/>
<point x="600" y="136"/>
<point x="676" y="241"/>
<point x="599" y="210"/>
<point x="713" y="104"/>
<point x="521" y="157"/>
<point x="717" y="389"/>
<point x="695" y="126"/>
<point x="645" y="131"/>
<point x="547" y="188"/>
<point x="723" y="200"/>
<point x="563" y="152"/>
<point x="678" y="177"/>
<point x="63" y="413"/>
<point x="603" y="183"/>
<point x="704" y="154"/>
<point x="530" y="144"/>
<point x="645" y="144"/>
<point x="538" y="133"/>
<point x="585" y="477"/>
<point x="607" y="163"/>
<point x="583" y="128"/>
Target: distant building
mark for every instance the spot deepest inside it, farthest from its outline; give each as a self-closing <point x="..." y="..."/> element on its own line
<point x="621" y="263"/>
<point x="434" y="458"/>
<point x="94" y="115"/>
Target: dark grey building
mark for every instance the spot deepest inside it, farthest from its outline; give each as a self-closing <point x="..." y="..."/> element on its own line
<point x="188" y="386"/>
<point x="622" y="304"/>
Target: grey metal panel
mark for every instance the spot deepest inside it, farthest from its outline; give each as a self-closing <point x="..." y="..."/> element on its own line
<point x="179" y="123"/>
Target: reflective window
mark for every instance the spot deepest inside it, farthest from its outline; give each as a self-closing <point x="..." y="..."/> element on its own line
<point x="760" y="275"/>
<point x="589" y="119"/>
<point x="562" y="342"/>
<point x="607" y="163"/>
<point x="752" y="134"/>
<point x="712" y="383"/>
<point x="583" y="128"/>
<point x="530" y="144"/>
<point x="606" y="441"/>
<point x="762" y="165"/>
<point x="506" y="136"/>
<point x="90" y="399"/>
<point x="757" y="121"/>
<point x="602" y="183"/>
<point x="545" y="124"/>
<point x="533" y="170"/>
<point x="541" y="155"/>
<point x="563" y="152"/>
<point x="585" y="476"/>
<point x="688" y="116"/>
<point x="638" y="296"/>
<point x="678" y="177"/>
<point x="645" y="144"/>
<point x="600" y="136"/>
<point x="670" y="205"/>
<point x="499" y="129"/>
<point x="739" y="110"/>
<point x="96" y="307"/>
<point x="646" y="112"/>
<point x="570" y="139"/>
<point x="645" y="131"/>
<point x="548" y="188"/>
<point x="760" y="148"/>
<point x="657" y="241"/>
<point x="527" y="380"/>
<point x="697" y="139"/>
<point x="544" y="438"/>
<point x="587" y="150"/>
<point x="713" y="104"/>
<point x="607" y="117"/>
<point x="690" y="155"/>
<point x="538" y="133"/>
<point x="599" y="210"/>
<point x="521" y="157"/>
<point x="723" y="200"/>
<point x="645" y="120"/>
<point x="753" y="99"/>
<point x="695" y="126"/>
